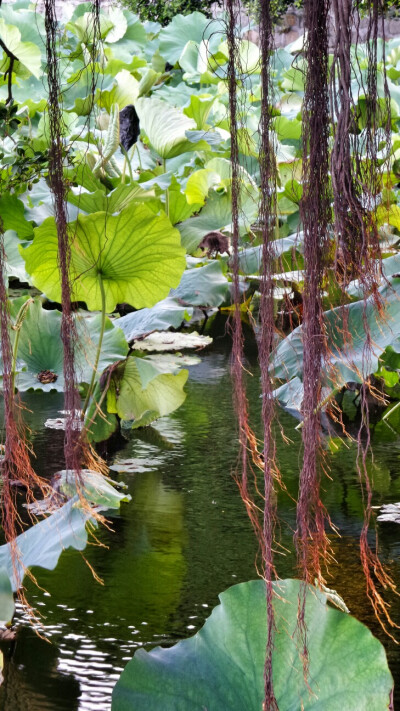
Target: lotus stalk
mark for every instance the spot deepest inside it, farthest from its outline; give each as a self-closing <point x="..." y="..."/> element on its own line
<point x="99" y="345"/>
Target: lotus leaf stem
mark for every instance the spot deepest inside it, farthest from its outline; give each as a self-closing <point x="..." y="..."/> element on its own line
<point x="99" y="345"/>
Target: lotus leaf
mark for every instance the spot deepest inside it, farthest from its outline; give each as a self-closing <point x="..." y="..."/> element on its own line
<point x="39" y="348"/>
<point x="179" y="206"/>
<point x="12" y="214"/>
<point x="165" y="128"/>
<point x="222" y="666"/>
<point x="28" y="53"/>
<point x="140" y="394"/>
<point x="203" y="286"/>
<point x="347" y="359"/>
<point x="42" y="544"/>
<point x="160" y="317"/>
<point x="124" y="92"/>
<point x="99" y="490"/>
<point x="15" y="265"/>
<point x="168" y="341"/>
<point x="115" y="201"/>
<point x="195" y="27"/>
<point x="136" y="255"/>
<point x="250" y="258"/>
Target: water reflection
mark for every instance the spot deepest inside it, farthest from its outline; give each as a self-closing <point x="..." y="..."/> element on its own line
<point x="183" y="539"/>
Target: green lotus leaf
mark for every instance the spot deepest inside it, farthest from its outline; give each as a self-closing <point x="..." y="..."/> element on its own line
<point x="42" y="544"/>
<point x="29" y="22"/>
<point x="12" y="215"/>
<point x="199" y="110"/>
<point x="165" y="128"/>
<point x="217" y="214"/>
<point x="222" y="666"/>
<point x="180" y="208"/>
<point x="133" y="41"/>
<point x="194" y="62"/>
<point x="115" y="201"/>
<point x="84" y="27"/>
<point x="346" y="346"/>
<point x="41" y="356"/>
<point x="28" y="53"/>
<point x="203" y="286"/>
<point x="15" y="265"/>
<point x="117" y="17"/>
<point x="287" y="128"/>
<point x="99" y="423"/>
<point x="136" y="254"/>
<point x="249" y="58"/>
<point x="199" y="184"/>
<point x="196" y="27"/>
<point x="138" y="392"/>
<point x="124" y="92"/>
<point x="160" y="317"/>
<point x="250" y="258"/>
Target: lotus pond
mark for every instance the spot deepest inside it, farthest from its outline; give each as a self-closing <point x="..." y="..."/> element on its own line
<point x="183" y="539"/>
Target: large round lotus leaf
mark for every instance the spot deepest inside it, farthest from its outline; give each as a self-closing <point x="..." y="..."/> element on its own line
<point x="221" y="667"/>
<point x="136" y="253"/>
<point x="195" y="27"/>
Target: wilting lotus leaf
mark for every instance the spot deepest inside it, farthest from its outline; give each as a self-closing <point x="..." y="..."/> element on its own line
<point x="99" y="490"/>
<point x="136" y="254"/>
<point x="167" y="341"/>
<point x="222" y="666"/>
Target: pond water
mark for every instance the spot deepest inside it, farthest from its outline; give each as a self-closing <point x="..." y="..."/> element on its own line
<point x="183" y="539"/>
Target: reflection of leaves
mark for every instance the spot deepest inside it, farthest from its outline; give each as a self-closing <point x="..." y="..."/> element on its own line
<point x="233" y="639"/>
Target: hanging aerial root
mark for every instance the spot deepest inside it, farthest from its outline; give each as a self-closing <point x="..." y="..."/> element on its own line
<point x="16" y="470"/>
<point x="377" y="132"/>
